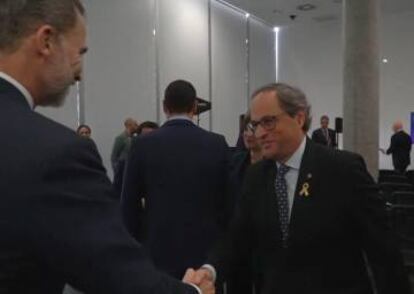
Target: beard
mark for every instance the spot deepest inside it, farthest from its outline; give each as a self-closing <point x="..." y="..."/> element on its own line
<point x="59" y="78"/>
<point x="56" y="98"/>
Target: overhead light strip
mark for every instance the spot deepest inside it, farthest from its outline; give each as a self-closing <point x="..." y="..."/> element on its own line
<point x="276" y="30"/>
<point x="245" y="13"/>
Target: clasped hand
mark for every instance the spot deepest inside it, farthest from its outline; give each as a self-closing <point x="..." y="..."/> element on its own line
<point x="202" y="278"/>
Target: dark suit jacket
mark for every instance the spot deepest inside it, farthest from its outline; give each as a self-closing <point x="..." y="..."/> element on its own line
<point x="58" y="222"/>
<point x="400" y="148"/>
<point x="181" y="170"/>
<point x="330" y="230"/>
<point x="319" y="137"/>
<point x="239" y="164"/>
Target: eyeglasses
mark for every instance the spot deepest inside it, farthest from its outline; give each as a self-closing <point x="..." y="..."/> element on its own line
<point x="267" y="122"/>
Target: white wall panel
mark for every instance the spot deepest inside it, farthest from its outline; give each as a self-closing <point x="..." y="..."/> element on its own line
<point x="67" y="114"/>
<point x="311" y="59"/>
<point x="397" y="83"/>
<point x="229" y="68"/>
<point x="183" y="46"/>
<point x="128" y="65"/>
<point x="261" y="54"/>
<point x="120" y="68"/>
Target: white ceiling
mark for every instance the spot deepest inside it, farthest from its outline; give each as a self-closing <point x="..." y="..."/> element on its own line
<point x="278" y="12"/>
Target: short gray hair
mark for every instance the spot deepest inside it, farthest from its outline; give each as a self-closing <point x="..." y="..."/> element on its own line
<point x="291" y="100"/>
<point x="19" y="18"/>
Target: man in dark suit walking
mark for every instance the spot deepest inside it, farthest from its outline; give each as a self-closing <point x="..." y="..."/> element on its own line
<point x="324" y="135"/>
<point x="400" y="148"/>
<point x="58" y="221"/>
<point x="310" y="216"/>
<point x="181" y="171"/>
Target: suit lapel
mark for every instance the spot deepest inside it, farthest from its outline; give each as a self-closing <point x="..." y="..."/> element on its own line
<point x="305" y="193"/>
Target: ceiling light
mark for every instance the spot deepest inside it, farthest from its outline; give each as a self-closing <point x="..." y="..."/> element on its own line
<point x="247" y="15"/>
<point x="306" y="7"/>
<point x="384" y="60"/>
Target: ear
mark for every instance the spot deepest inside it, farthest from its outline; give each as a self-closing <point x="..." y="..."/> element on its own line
<point x="300" y="118"/>
<point x="194" y="109"/>
<point x="164" y="107"/>
<point x="45" y="39"/>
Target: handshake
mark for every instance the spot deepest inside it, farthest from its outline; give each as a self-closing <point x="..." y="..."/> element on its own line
<point x="202" y="278"/>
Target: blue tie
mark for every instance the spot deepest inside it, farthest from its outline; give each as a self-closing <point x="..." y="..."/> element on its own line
<point x="282" y="201"/>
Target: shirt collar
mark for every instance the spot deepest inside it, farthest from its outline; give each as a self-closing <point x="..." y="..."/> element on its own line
<point x="179" y="116"/>
<point x="20" y="87"/>
<point x="294" y="161"/>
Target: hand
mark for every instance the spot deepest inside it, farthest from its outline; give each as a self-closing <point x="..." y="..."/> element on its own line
<point x="202" y="278"/>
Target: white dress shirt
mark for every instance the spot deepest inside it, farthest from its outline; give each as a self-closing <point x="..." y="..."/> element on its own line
<point x="292" y="175"/>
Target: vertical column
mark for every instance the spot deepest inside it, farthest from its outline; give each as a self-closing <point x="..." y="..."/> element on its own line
<point x="248" y="59"/>
<point x="210" y="65"/>
<point x="361" y="79"/>
<point x="80" y="99"/>
<point x="159" y="103"/>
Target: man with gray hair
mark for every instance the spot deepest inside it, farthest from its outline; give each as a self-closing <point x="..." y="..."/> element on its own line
<point x="400" y="148"/>
<point x="310" y="216"/>
<point x="324" y="135"/>
<point x="58" y="221"/>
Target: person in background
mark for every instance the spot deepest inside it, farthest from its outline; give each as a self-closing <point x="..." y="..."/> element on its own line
<point x="123" y="142"/>
<point x="84" y="131"/>
<point x="400" y="148"/>
<point x="182" y="171"/>
<point x="243" y="159"/>
<point x="241" y="281"/>
<point x="144" y="128"/>
<point x="324" y="135"/>
<point x="147" y="127"/>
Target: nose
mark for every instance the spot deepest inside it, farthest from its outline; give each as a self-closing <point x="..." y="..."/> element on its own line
<point x="260" y="133"/>
<point x="78" y="73"/>
<point x="78" y="77"/>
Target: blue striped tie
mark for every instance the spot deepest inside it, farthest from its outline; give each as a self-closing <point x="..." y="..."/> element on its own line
<point x="282" y="201"/>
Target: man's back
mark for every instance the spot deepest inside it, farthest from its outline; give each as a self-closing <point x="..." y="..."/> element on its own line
<point x="402" y="143"/>
<point x="181" y="171"/>
<point x="400" y="149"/>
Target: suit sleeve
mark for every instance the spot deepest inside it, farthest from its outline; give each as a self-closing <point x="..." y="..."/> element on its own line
<point x="390" y="150"/>
<point x="378" y="241"/>
<point x="116" y="151"/>
<point x="225" y="201"/>
<point x="234" y="249"/>
<point x="133" y="193"/>
<point x="75" y="227"/>
<point x="314" y="136"/>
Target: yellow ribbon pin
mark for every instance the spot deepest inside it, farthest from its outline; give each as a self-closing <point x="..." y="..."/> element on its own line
<point x="305" y="190"/>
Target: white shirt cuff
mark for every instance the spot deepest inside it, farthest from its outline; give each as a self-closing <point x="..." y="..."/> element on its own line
<point x="212" y="270"/>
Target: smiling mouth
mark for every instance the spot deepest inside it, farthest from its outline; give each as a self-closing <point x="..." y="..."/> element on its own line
<point x="267" y="143"/>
